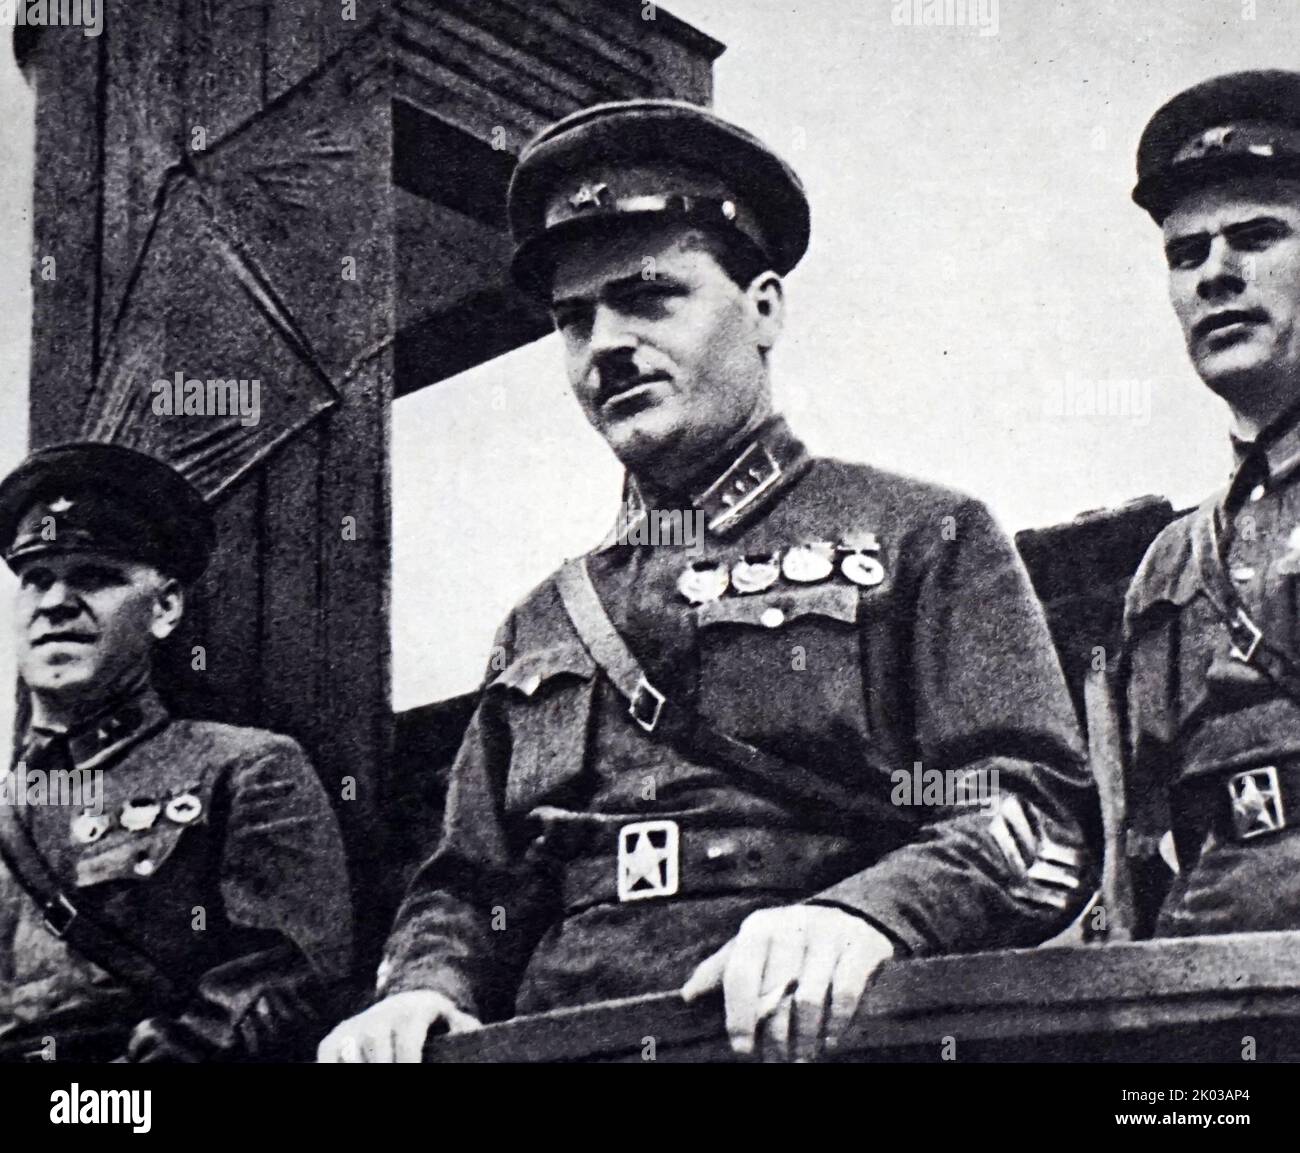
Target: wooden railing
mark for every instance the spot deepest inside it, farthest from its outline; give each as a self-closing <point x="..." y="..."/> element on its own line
<point x="1228" y="999"/>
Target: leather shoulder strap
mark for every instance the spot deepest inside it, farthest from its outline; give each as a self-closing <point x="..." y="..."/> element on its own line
<point x="606" y="645"/>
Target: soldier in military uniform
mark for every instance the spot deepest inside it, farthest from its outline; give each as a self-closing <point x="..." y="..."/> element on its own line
<point x="1209" y="670"/>
<point x="181" y="893"/>
<point x="683" y="767"/>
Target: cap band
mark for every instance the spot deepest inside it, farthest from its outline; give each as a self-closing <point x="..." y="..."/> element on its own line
<point x="594" y="202"/>
<point x="1242" y="125"/>
<point x="88" y="523"/>
<point x="107" y="498"/>
<point x="1246" y="138"/>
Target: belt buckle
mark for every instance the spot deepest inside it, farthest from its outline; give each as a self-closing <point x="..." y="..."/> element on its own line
<point x="1256" y="797"/>
<point x="648" y="860"/>
<point x="59" y="913"/>
<point x="646" y="705"/>
<point x="1241" y="622"/>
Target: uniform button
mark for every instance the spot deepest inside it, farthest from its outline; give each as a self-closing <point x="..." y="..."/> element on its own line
<point x="773" y="618"/>
<point x="145" y="868"/>
<point x="718" y="855"/>
<point x="1243" y="573"/>
<point x="1257" y="493"/>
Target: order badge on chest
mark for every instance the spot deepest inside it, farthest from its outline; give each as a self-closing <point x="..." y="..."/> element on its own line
<point x="857" y="558"/>
<point x="137" y="815"/>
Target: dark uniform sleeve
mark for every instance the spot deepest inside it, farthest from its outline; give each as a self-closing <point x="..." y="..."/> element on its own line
<point x="284" y="886"/>
<point x="989" y="698"/>
<point x="1146" y="657"/>
<point x="461" y="928"/>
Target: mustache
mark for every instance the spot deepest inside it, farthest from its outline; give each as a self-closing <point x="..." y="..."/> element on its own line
<point x="55" y="635"/>
<point x="44" y="629"/>
<point x="618" y="376"/>
<point x="1208" y="324"/>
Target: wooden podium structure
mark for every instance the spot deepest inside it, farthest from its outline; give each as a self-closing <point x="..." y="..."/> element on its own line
<point x="309" y="193"/>
<point x="1202" y="999"/>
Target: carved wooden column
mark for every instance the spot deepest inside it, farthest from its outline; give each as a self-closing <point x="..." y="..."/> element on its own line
<point x="274" y="191"/>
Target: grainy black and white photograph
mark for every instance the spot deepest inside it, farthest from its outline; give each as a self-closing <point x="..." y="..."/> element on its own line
<point x="550" y="532"/>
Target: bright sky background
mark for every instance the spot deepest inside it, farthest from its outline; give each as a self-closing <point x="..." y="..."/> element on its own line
<point x="974" y="253"/>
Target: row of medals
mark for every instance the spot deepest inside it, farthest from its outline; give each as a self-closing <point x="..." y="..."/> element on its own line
<point x="707" y="580"/>
<point x="136" y="816"/>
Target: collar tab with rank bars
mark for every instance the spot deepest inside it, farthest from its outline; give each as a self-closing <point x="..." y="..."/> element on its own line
<point x="768" y="464"/>
<point x="772" y="461"/>
<point x="123" y="725"/>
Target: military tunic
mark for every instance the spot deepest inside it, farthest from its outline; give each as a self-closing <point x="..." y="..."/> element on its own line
<point x="1211" y="738"/>
<point x="214" y="850"/>
<point x="934" y="650"/>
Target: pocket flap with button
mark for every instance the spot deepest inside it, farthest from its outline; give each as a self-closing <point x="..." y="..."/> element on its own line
<point x="548" y="697"/>
<point x="529" y="671"/>
<point x="134" y="857"/>
<point x="773" y="608"/>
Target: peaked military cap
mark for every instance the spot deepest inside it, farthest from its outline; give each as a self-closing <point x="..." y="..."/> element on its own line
<point x="641" y="159"/>
<point x="1242" y="124"/>
<point x="104" y="498"/>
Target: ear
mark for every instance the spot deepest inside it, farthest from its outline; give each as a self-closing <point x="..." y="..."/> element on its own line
<point x="766" y="294"/>
<point x="168" y="608"/>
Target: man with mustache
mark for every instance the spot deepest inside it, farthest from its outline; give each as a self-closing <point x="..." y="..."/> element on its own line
<point x="1209" y="668"/>
<point x="191" y="902"/>
<point x="684" y="765"/>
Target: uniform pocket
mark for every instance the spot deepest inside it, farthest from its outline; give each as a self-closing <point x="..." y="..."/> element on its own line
<point x="784" y="665"/>
<point x="130" y="856"/>
<point x="546" y="697"/>
<point x="773" y="608"/>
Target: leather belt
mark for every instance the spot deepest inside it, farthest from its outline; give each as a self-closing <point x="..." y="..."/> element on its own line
<point x="1246" y="805"/>
<point x="663" y="858"/>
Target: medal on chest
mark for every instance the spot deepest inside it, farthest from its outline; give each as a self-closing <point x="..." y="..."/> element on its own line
<point x="809" y="563"/>
<point x="703" y="581"/>
<point x="139" y="814"/>
<point x="88" y="827"/>
<point x="754" y="574"/>
<point x="183" y="809"/>
<point x="860" y="564"/>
